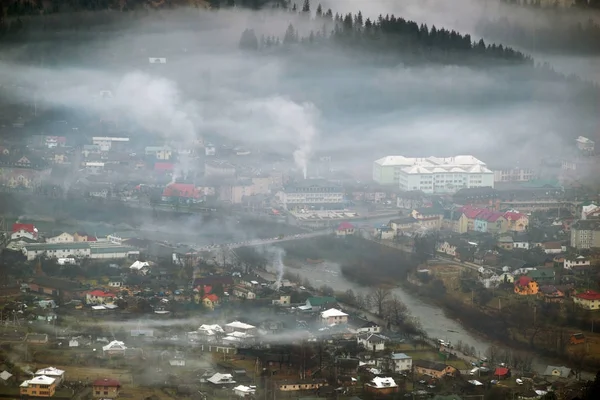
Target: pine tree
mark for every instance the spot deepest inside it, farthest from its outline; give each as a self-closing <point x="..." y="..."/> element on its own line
<point x="306" y="6"/>
<point x="329" y="14"/>
<point x="249" y="41"/>
<point x="294" y="8"/>
<point x="290" y="35"/>
<point x="319" y="12"/>
<point x="230" y="3"/>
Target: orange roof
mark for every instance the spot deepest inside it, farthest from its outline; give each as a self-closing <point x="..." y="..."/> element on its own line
<point x="345" y="226"/>
<point x="100" y="293"/>
<point x="212" y="297"/>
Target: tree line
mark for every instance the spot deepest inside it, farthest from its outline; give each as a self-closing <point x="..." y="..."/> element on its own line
<point x="556" y="36"/>
<point x="389" y="35"/>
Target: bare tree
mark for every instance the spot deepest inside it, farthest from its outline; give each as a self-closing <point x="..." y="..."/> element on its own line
<point x="380" y="296"/>
<point x="394" y="311"/>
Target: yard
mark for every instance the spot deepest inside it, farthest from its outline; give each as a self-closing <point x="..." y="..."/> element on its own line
<point x="430" y="355"/>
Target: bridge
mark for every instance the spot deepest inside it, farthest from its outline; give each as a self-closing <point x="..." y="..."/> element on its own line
<point x="262" y="242"/>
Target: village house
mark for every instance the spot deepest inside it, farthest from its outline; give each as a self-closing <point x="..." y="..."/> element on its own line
<point x="210" y="301"/>
<point x="244" y="391"/>
<point x="318" y="303"/>
<point x="333" y="317"/>
<point x="429" y="217"/>
<point x="345" y="229"/>
<point x="114" y="348"/>
<point x="522" y="241"/>
<point x="244" y="293"/>
<point x="371" y="341"/>
<point x="401" y="362"/>
<point x="368" y="327"/>
<point x="56" y="287"/>
<point x="551" y="294"/>
<point x="64" y="237"/>
<point x="220" y="379"/>
<point x="577" y="338"/>
<point x="542" y="275"/>
<point x="433" y="369"/>
<point x="470" y="214"/>
<point x="28" y="231"/>
<point x="516" y="221"/>
<point x="525" y="286"/>
<point x="384" y="232"/>
<point x="208" y="282"/>
<point x="284" y="300"/>
<point x="455" y="221"/>
<point x="57" y="374"/>
<point x="237" y="326"/>
<point x="37" y="338"/>
<point x="400" y="225"/>
<point x="588" y="300"/>
<point x="553" y="247"/>
<point x="571" y="262"/>
<point x="490" y="222"/>
<point x="99" y="297"/>
<point x="301" y="385"/>
<point x="105" y="388"/>
<point x="450" y="247"/>
<point x="557" y="372"/>
<point x="505" y="242"/>
<point x="39" y="386"/>
<point x="381" y="386"/>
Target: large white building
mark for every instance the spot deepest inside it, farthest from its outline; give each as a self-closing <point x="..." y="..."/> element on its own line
<point x="94" y="250"/>
<point x="433" y="174"/>
<point x="312" y="194"/>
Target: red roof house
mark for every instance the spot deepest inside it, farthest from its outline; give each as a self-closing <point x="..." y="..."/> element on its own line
<point x="502" y="372"/>
<point x="106" y="388"/>
<point x="589" y="295"/>
<point x="471" y="212"/>
<point x="100" y="293"/>
<point x="186" y="190"/>
<point x="19" y="230"/>
<point x="212" y="297"/>
<point x="345" y="228"/>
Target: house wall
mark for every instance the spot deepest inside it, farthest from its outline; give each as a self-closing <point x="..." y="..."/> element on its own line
<point x="105" y="391"/>
<point x="381" y="391"/>
<point x="587" y="304"/>
<point x="38" y="390"/>
<point x="384" y="175"/>
<point x="403" y="365"/>
<point x="335" y="320"/>
<point x="62" y="238"/>
<point x="292" y="387"/>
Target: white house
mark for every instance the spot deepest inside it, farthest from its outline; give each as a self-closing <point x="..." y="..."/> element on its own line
<point x="237" y="326"/>
<point x="333" y="317"/>
<point x="51" y="372"/>
<point x="379" y="383"/>
<point x="141" y="267"/>
<point x="38" y="381"/>
<point x="244" y="391"/>
<point x="97" y="297"/>
<point x="64" y="237"/>
<point x="579" y="261"/>
<point x="369" y="327"/>
<point x="114" y="348"/>
<point x="221" y="379"/>
<point x="401" y="362"/>
<point x="56" y="250"/>
<point x="371" y="341"/>
<point x="521" y="243"/>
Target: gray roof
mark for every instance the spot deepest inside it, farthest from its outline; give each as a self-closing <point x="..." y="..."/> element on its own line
<point x="400" y="356"/>
<point x="564" y="372"/>
<point x="56" y="246"/>
<point x="112" y="249"/>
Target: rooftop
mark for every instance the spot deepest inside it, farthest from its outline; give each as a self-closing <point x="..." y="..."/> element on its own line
<point x="39" y="380"/>
<point x="106" y="382"/>
<point x="588" y="295"/>
<point x="332" y="312"/>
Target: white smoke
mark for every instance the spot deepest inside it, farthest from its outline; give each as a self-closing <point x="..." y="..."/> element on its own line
<point x="277" y="254"/>
<point x="156" y="105"/>
<point x="291" y="122"/>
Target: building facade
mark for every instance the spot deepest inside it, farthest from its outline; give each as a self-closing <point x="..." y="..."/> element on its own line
<point x="585" y="234"/>
<point x="516" y="174"/>
<point x="433" y="174"/>
<point x="312" y="194"/>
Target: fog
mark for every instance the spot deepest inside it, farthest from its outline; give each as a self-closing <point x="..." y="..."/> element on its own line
<point x="299" y="103"/>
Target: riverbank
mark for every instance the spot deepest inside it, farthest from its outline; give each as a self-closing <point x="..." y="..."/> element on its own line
<point x="471" y="319"/>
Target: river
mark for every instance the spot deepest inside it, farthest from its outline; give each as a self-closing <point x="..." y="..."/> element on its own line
<point x="432" y="318"/>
